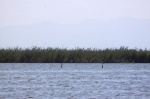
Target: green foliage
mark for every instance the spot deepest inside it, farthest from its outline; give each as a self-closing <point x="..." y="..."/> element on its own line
<point x="56" y="55"/>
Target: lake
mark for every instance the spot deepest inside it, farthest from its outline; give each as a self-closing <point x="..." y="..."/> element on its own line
<point x="74" y="81"/>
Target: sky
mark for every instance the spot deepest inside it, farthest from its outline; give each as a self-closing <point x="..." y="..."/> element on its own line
<point x="75" y="23"/>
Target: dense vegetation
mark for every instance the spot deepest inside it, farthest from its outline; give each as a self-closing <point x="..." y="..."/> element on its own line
<point x="56" y="55"/>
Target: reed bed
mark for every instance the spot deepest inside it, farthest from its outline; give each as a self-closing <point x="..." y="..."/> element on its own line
<point x="77" y="55"/>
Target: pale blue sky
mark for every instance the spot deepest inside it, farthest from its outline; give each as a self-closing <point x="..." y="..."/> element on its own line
<point x="75" y="23"/>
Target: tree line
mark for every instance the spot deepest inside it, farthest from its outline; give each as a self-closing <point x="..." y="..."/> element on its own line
<point x="77" y="55"/>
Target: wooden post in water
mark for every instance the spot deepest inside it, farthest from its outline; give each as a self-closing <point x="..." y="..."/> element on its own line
<point x="61" y="65"/>
<point x="102" y="65"/>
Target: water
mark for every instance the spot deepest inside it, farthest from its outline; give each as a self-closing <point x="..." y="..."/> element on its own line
<point x="74" y="81"/>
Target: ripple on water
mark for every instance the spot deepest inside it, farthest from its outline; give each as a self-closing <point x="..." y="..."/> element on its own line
<point x="74" y="82"/>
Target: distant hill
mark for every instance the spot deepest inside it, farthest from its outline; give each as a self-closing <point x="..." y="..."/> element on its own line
<point x="114" y="33"/>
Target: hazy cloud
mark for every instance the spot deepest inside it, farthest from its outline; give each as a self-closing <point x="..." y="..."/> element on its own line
<point x="20" y="12"/>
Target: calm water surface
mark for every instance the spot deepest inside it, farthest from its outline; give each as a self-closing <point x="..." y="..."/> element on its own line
<point x="74" y="81"/>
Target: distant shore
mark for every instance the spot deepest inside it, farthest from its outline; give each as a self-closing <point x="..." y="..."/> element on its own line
<point x="78" y="55"/>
